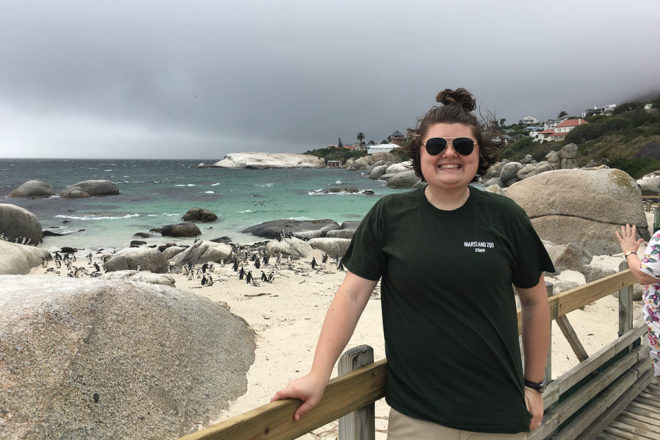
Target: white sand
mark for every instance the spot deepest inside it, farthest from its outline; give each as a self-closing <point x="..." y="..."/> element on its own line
<point x="287" y="314"/>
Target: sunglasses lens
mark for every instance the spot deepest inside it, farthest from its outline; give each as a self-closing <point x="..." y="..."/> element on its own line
<point x="435" y="146"/>
<point x="463" y="146"/>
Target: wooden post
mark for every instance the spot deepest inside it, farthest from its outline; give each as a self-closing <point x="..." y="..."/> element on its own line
<point x="361" y="423"/>
<point x="547" y="376"/>
<point x="625" y="304"/>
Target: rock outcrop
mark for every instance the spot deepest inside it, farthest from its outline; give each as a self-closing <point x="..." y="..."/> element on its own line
<point x="148" y="259"/>
<point x="199" y="215"/>
<point x="17" y="259"/>
<point x="274" y="228"/>
<point x="334" y="247"/>
<point x="180" y="230"/>
<point x="294" y="247"/>
<point x="17" y="223"/>
<point x="33" y="189"/>
<point x="90" y="188"/>
<point x="203" y="251"/>
<point x="106" y="359"/>
<point x="270" y="160"/>
<point x="582" y="206"/>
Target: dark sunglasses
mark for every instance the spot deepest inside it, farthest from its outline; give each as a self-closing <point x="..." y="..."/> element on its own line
<point x="462" y="145"/>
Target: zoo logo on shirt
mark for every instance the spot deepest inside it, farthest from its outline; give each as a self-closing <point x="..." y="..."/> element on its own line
<point x="479" y="246"/>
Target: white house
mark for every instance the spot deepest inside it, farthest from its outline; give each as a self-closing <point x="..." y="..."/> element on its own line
<point x="528" y="120"/>
<point x="559" y="132"/>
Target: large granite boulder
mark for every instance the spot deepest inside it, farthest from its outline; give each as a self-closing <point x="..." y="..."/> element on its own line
<point x="270" y="160"/>
<point x="148" y="259"/>
<point x="140" y="276"/>
<point x="361" y="163"/>
<point x="377" y="171"/>
<point x="294" y="247"/>
<point x="273" y="229"/>
<point x="584" y="207"/>
<point x="334" y="247"/>
<point x="33" y="189"/>
<point x="199" y="215"/>
<point x="203" y="251"/>
<point x="650" y="184"/>
<point x="180" y="230"/>
<point x="405" y="179"/>
<point x="568" y="256"/>
<point x="90" y="188"/>
<point x="17" y="223"/>
<point x="106" y="359"/>
<point x="18" y="259"/>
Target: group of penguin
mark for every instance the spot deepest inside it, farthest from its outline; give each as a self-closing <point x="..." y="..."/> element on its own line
<point x="67" y="260"/>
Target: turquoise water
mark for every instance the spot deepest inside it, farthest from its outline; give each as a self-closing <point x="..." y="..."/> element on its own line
<point x="157" y="193"/>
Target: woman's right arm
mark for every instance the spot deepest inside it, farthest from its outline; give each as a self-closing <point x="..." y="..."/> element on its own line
<point x="629" y="245"/>
<point x="340" y="321"/>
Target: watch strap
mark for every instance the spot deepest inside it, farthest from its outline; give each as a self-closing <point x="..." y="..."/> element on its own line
<point x="538" y="386"/>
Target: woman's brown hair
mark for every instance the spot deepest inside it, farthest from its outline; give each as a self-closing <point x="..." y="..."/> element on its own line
<point x="456" y="108"/>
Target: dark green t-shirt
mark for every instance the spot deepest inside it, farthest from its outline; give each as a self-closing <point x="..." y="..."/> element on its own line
<point x="449" y="312"/>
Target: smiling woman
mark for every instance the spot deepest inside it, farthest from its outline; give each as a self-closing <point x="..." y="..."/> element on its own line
<point x="446" y="255"/>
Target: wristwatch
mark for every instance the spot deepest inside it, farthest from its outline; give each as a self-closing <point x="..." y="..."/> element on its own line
<point x="538" y="386"/>
<point x="628" y="253"/>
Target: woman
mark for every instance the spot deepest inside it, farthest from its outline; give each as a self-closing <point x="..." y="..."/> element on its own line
<point x="647" y="273"/>
<point x="447" y="255"/>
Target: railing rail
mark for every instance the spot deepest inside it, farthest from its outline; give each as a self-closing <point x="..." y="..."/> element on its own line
<point x="365" y="385"/>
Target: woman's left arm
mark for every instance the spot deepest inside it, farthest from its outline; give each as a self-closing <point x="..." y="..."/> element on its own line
<point x="629" y="245"/>
<point x="536" y="339"/>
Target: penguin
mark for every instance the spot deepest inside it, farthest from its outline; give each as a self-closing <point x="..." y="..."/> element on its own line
<point x="96" y="267"/>
<point x="314" y="263"/>
<point x="241" y="273"/>
<point x="270" y="277"/>
<point x="325" y="257"/>
<point x="265" y="260"/>
<point x="263" y="276"/>
<point x="340" y="266"/>
<point x="248" y="277"/>
<point x="235" y="266"/>
<point x="257" y="263"/>
<point x="205" y="266"/>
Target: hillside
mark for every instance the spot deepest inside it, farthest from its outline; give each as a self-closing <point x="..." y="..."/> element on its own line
<point x="629" y="139"/>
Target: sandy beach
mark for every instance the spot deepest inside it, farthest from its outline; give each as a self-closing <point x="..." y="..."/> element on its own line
<point x="286" y="316"/>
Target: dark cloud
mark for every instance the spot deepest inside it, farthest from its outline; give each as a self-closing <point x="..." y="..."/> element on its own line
<point x="202" y="79"/>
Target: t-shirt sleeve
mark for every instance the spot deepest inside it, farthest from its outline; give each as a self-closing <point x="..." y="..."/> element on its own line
<point x="651" y="260"/>
<point x="531" y="258"/>
<point x="364" y="256"/>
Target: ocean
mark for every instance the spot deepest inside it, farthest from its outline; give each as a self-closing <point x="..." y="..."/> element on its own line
<point x="155" y="193"/>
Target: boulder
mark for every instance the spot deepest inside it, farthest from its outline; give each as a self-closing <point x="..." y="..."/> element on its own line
<point x="270" y="160"/>
<point x="92" y="188"/>
<point x="554" y="159"/>
<point x="141" y="277"/>
<point x="568" y="256"/>
<point x="148" y="259"/>
<point x="18" y="259"/>
<point x="569" y="151"/>
<point x="495" y="170"/>
<point x="180" y="230"/>
<point x="650" y="184"/>
<point x="406" y="179"/>
<point x="332" y="246"/>
<point x="171" y="251"/>
<point x="385" y="157"/>
<point x="377" y="172"/>
<point x="494" y="181"/>
<point x="593" y="272"/>
<point x="294" y="247"/>
<point x="341" y="233"/>
<point x="361" y="163"/>
<point x="584" y="207"/>
<point x="494" y="188"/>
<point x="199" y="215"/>
<point x="33" y="189"/>
<point x="110" y="359"/>
<point x="510" y="171"/>
<point x="273" y="229"/>
<point x="567" y="164"/>
<point x="17" y="223"/>
<point x="201" y="252"/>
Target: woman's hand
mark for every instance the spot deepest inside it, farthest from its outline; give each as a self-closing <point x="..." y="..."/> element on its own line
<point x="627" y="239"/>
<point x="534" y="402"/>
<point x="308" y="388"/>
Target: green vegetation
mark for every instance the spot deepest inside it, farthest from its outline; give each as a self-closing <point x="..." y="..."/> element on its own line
<point x="337" y="153"/>
<point x="628" y="140"/>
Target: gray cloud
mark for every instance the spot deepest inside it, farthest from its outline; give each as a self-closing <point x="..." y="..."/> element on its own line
<point x="202" y="79"/>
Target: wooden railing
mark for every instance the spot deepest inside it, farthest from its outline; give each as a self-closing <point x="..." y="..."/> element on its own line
<point x="577" y="403"/>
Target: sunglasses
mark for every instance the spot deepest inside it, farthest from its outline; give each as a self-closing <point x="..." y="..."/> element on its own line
<point x="462" y="145"/>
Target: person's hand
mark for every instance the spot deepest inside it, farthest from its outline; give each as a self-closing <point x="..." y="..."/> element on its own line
<point x="627" y="239"/>
<point x="534" y="402"/>
<point x="308" y="388"/>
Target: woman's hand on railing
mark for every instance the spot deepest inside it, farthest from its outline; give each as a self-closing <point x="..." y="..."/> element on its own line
<point x="308" y="388"/>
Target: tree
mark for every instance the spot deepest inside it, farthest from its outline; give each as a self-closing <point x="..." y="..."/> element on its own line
<point x="339" y="144"/>
<point x="502" y="121"/>
<point x="360" y="138"/>
<point x="561" y="114"/>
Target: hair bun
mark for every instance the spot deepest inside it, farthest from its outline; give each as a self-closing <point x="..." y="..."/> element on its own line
<point x="459" y="97"/>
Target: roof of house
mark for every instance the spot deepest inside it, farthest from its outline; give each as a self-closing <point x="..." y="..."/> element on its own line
<point x="547" y="131"/>
<point x="397" y="133"/>
<point x="571" y="123"/>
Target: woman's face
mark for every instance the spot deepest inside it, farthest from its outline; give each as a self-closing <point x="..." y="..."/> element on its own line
<point x="448" y="169"/>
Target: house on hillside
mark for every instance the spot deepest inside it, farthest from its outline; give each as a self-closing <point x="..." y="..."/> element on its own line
<point x="559" y="132"/>
<point x="382" y="148"/>
<point x="529" y="120"/>
<point x="397" y="138"/>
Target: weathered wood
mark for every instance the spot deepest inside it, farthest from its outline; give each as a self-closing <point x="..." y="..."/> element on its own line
<point x="361" y="423"/>
<point x="584" y="369"/>
<point x="572" y="338"/>
<point x="625" y="304"/>
<point x="557" y="415"/>
<point x="636" y="424"/>
<point x="624" y="434"/>
<point x="547" y="375"/>
<point x="640" y="414"/>
<point x="573" y="299"/>
<point x="615" y="399"/>
<point x="650" y="421"/>
<point x="274" y="421"/>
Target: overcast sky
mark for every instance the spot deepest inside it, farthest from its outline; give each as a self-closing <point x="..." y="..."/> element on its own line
<point x="201" y="79"/>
